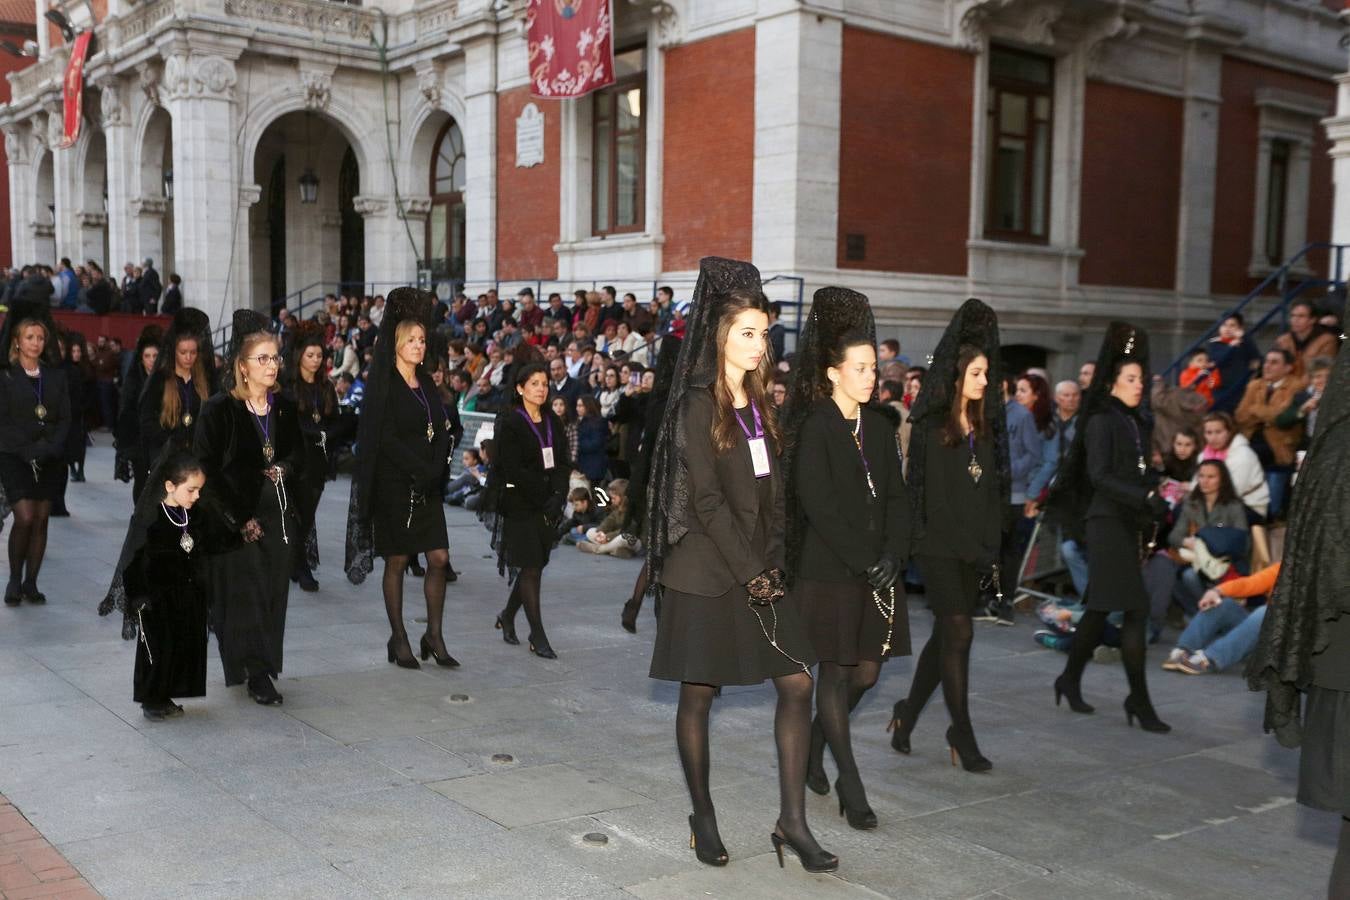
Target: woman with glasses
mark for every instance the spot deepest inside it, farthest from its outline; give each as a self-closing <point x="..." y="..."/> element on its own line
<point x="249" y="443"/>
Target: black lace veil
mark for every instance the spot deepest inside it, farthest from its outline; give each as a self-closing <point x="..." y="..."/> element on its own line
<point x="835" y="312"/>
<point x="402" y="303"/>
<point x="696" y="367"/>
<point x="190" y="321"/>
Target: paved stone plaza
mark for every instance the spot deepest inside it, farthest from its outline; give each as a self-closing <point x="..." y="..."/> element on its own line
<point x="374" y="781"/>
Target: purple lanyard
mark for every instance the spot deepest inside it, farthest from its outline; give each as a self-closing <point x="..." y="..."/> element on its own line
<point x="185" y="393"/>
<point x="418" y="393"/>
<point x="759" y="426"/>
<point x="970" y="438"/>
<point x="548" y="428"/>
<point x="262" y="422"/>
<point x="36" y="390"/>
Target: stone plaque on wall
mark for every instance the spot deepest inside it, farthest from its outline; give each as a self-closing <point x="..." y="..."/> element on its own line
<point x="529" y="137"/>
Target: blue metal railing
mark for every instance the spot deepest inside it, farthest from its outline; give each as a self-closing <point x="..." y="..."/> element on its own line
<point x="1280" y="279"/>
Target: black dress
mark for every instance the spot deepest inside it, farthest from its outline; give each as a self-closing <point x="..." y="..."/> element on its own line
<point x="26" y="438"/>
<point x="128" y="433"/>
<point x="248" y="582"/>
<point x="80" y="384"/>
<point x="707" y="632"/>
<point x="317" y="407"/>
<point x="171" y="649"/>
<point x="962" y="528"/>
<point x="407" y="513"/>
<point x="153" y="435"/>
<point x="846" y="531"/>
<point x="528" y="495"/>
<point x="1116" y="440"/>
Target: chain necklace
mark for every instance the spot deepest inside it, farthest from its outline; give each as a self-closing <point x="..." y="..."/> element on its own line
<point x="887" y="611"/>
<point x="39" y="410"/>
<point x="185" y="393"/>
<point x="771" y="635"/>
<point x="185" y="541"/>
<point x="857" y="442"/>
<point x="264" y="429"/>
<point x="973" y="467"/>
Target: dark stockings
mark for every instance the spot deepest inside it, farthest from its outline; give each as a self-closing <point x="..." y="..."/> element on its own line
<point x="1133" y="648"/>
<point x="1340" y="869"/>
<point x="393" y="604"/>
<point x="837" y="693"/>
<point x="691" y="738"/>
<point x="28" y="541"/>
<point x="639" y="590"/>
<point x="945" y="660"/>
<point x="525" y="593"/>
<point x="433" y="589"/>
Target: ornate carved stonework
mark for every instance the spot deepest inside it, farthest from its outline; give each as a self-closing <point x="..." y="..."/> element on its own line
<point x="110" y="103"/>
<point x="92" y="219"/>
<point x="415" y="208"/>
<point x="429" y="80"/>
<point x="370" y="206"/>
<point x="37" y="126"/>
<point x="149" y="206"/>
<point x="16" y="148"/>
<point x="1108" y="30"/>
<point x="55" y="127"/>
<point x="211" y="77"/>
<point x="249" y="194"/>
<point x="148" y="76"/>
<point x="315" y="16"/>
<point x="318" y="88"/>
<point x="1033" y="20"/>
<point x="42" y="229"/>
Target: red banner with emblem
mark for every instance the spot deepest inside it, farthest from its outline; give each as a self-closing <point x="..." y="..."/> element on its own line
<point x="571" y="47"/>
<point x="72" y="89"/>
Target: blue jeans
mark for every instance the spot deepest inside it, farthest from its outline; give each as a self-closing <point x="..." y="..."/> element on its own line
<point x="1227" y="633"/>
<point x="1277" y="482"/>
<point x="1076" y="560"/>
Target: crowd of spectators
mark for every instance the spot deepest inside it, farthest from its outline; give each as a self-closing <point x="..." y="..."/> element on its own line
<point x="88" y="289"/>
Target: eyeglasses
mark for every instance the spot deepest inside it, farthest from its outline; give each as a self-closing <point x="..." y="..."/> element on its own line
<point x="266" y="360"/>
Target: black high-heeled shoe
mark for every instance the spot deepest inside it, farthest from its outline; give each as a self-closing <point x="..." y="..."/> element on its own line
<point x="13" y="596"/>
<point x="856" y="809"/>
<point x="814" y="861"/>
<point x="961" y="742"/>
<point x="902" y="724"/>
<point x="451" y="576"/>
<point x="400" y="652"/>
<point x="1073" y="692"/>
<point x="630" y="613"/>
<point x="706" y="842"/>
<point x="508" y="630"/>
<point x="1143" y="711"/>
<point x="416" y="568"/>
<point x="263" y="691"/>
<point x="429" y="650"/>
<point x="539" y="647"/>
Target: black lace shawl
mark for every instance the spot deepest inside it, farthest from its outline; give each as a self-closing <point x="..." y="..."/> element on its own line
<point x="402" y="303"/>
<point x="668" y="487"/>
<point x="1071" y="491"/>
<point x="639" y="476"/>
<point x="835" y="311"/>
<point x="1313" y="589"/>
<point x="976" y="324"/>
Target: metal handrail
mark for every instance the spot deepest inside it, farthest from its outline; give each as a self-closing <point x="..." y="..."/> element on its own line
<point x="1280" y="279"/>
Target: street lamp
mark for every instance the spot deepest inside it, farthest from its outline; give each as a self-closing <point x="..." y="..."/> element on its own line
<point x="309" y="187"/>
<point x="168" y="184"/>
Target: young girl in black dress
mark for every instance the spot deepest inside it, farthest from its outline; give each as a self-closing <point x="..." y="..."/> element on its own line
<point x="528" y="484"/>
<point x="34" y="417"/>
<point x="848" y="528"/>
<point x="958" y="477"/>
<point x="316" y="402"/>
<point x="716" y="522"/>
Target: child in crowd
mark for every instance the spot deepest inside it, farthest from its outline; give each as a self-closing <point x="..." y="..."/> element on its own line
<point x="608" y="537"/>
<point x="470" y="481"/>
<point x="1200" y="376"/>
<point x="584" y="515"/>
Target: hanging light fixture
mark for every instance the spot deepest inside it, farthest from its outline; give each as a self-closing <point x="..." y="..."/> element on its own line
<point x="168" y="184"/>
<point x="309" y="182"/>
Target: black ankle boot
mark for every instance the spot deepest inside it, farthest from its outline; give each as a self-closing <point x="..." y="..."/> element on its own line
<point x="539" y="646"/>
<point x="507" y="626"/>
<point x="961" y="740"/>
<point x="13" y="594"/>
<point x="1142" y="709"/>
<point x="1071" y="690"/>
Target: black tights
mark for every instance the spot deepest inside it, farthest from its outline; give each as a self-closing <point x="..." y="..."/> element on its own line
<point x="1340" y="869"/>
<point x="791" y="731"/>
<point x="525" y="592"/>
<point x="433" y="589"/>
<point x="838" y="691"/>
<point x="1133" y="648"/>
<point x="944" y="660"/>
<point x="28" y="540"/>
<point x="639" y="588"/>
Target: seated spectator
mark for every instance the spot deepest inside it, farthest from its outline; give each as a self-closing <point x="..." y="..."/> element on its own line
<point x="1174" y="409"/>
<point x="485" y="450"/>
<point x="1261" y="405"/>
<point x="1304" y="407"/>
<point x="470" y="481"/>
<point x="1306" y="338"/>
<point x="1178" y="466"/>
<point x="1201" y="376"/>
<point x="1224" y="443"/>
<point x="1171" y="576"/>
<point x="1236" y="358"/>
<point x="610" y="392"/>
<point x="608" y="537"/>
<point x="592" y="457"/>
<point x="778" y="391"/>
<point x="583" y="516"/>
<point x="1227" y="627"/>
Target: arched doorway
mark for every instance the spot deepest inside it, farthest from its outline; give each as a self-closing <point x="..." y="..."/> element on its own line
<point x="43" y="220"/>
<point x="276" y="233"/>
<point x="153" y="236"/>
<point x="444" y="253"/>
<point x="92" y="214"/>
<point x="353" y="254"/>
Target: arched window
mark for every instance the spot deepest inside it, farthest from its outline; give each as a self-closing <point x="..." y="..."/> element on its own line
<point x="445" y="224"/>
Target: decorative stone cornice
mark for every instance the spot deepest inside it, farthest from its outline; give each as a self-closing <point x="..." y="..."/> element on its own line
<point x="56" y="129"/>
<point x="1111" y="29"/>
<point x="149" y="206"/>
<point x="318" y="85"/>
<point x="16" y="148"/>
<point x="42" y="229"/>
<point x="110" y="102"/>
<point x="148" y="77"/>
<point x="91" y="219"/>
<point x="370" y="206"/>
<point x="249" y="195"/>
<point x="430" y="79"/>
<point x="415" y="208"/>
<point x="207" y="77"/>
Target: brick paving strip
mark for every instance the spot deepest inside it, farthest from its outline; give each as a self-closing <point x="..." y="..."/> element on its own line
<point x="31" y="867"/>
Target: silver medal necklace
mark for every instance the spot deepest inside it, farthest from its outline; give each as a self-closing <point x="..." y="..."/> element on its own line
<point x="185" y="541"/>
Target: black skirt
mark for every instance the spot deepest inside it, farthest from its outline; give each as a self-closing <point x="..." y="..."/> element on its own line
<point x="171" y="650"/>
<point x="17" y="477"/>
<point x="844" y="624"/>
<point x="952" y="586"/>
<point x="526" y="540"/>
<point x="1324" y="761"/>
<point x="395" y="532"/>
<point x="719" y="640"/>
<point x="1115" y="576"/>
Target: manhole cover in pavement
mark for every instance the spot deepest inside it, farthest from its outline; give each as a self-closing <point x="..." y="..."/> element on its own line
<point x="503" y="758"/>
<point x="459" y="698"/>
<point x="597" y="838"/>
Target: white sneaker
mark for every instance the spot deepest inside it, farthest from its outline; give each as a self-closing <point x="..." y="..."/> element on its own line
<point x="1196" y="664"/>
<point x="1175" y="659"/>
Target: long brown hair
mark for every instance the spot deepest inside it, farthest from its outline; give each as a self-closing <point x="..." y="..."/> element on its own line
<point x="952" y="434"/>
<point x="724" y="426"/>
<point x="171" y="403"/>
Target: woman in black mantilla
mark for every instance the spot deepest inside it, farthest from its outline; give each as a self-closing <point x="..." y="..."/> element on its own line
<point x="130" y="463"/>
<point x="160" y="589"/>
<point x="34" y="418"/>
<point x="402" y="445"/>
<point x="250" y="447"/>
<point x="1305" y="639"/>
<point x="527" y="485"/>
<point x="1107" y="484"/>
<point x="848" y="527"/>
<point x="81" y="385"/>
<point x="716" y="555"/>
<point x="316" y="402"/>
<point x="959" y="480"/>
<point x="184" y="378"/>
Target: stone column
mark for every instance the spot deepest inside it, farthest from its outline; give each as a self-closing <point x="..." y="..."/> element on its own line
<point x="480" y="158"/>
<point x="144" y="225"/>
<point x="198" y="91"/>
<point x="1338" y="131"/>
<point x="250" y="283"/>
<point x="798" y="58"/>
<point x="120" y="163"/>
<point x="65" y="194"/>
<point x="21" y="184"/>
<point x="382" y="236"/>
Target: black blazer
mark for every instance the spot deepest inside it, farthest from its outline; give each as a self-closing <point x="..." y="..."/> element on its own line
<point x="846" y="531"/>
<point x="1119" y="489"/>
<point x="518" y="466"/>
<point x="21" y="433"/>
<point x="728" y="508"/>
<point x="153" y="435"/>
<point x="963" y="519"/>
<point x="230" y="450"/>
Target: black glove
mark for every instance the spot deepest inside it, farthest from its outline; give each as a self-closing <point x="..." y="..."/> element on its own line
<point x="764" y="588"/>
<point x="1158" y="508"/>
<point x="883" y="573"/>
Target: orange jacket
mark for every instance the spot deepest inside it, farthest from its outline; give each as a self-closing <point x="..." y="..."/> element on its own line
<point x="1254" y="585"/>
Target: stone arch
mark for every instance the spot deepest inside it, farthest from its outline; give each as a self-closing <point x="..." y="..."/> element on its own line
<point x="152" y="143"/>
<point x="352" y="125"/>
<point x="91" y="198"/>
<point x="42" y="217"/>
<point x="426" y="124"/>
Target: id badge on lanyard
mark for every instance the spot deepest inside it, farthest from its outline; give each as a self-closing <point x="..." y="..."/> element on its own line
<point x="545" y="439"/>
<point x="759" y="449"/>
<point x="548" y="457"/>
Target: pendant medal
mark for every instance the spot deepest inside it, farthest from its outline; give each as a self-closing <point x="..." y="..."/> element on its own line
<point x="186" y="542"/>
<point x="187" y="420"/>
<point x="41" y="412"/>
<point x="268" y="452"/>
<point x="314" y="416"/>
<point x="975" y="470"/>
<point x="431" y="432"/>
<point x="1142" y="467"/>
